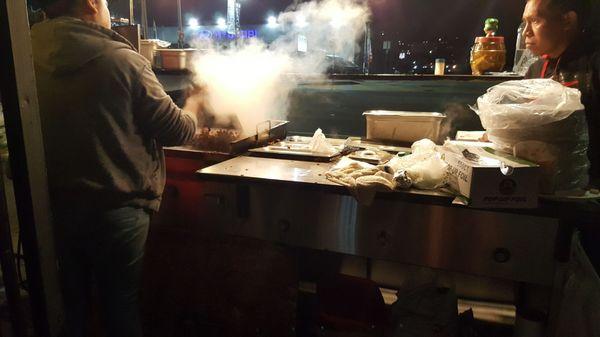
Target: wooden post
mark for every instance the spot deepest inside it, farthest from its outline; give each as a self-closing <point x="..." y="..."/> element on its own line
<point x="28" y="167"/>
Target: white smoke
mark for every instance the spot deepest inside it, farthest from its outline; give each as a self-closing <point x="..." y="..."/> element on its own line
<point x="332" y="26"/>
<point x="252" y="80"/>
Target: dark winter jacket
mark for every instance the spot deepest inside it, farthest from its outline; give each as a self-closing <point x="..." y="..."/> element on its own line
<point x="105" y="117"/>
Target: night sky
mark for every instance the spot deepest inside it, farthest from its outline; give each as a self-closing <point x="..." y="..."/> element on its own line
<point x="412" y="19"/>
<point x="458" y="21"/>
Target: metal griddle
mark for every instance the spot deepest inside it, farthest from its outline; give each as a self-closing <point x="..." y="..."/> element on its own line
<point x="266" y="132"/>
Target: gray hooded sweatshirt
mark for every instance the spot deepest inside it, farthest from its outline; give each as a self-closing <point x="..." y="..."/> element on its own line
<point x="105" y="117"/>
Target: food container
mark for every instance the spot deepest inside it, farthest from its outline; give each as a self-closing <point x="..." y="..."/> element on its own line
<point x="488" y="55"/>
<point x="489" y="52"/>
<point x="147" y="49"/>
<point x="175" y="59"/>
<point x="403" y="126"/>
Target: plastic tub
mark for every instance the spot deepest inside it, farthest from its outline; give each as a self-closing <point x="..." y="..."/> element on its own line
<point x="403" y="126"/>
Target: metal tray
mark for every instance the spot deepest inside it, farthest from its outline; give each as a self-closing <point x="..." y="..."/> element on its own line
<point x="295" y="148"/>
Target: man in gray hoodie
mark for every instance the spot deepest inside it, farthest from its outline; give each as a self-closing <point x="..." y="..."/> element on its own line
<point x="105" y="118"/>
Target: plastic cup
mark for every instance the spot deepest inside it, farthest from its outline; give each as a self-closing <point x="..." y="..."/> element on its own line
<point x="440" y="66"/>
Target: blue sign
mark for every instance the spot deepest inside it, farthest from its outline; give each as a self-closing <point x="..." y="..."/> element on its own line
<point x="223" y="35"/>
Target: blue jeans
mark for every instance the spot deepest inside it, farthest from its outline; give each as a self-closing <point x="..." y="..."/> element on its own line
<point x="106" y="248"/>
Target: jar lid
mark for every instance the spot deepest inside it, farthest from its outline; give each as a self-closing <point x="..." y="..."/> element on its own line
<point x="489" y="39"/>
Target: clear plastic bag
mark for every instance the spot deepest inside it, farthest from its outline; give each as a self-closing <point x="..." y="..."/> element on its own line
<point x="526" y="103"/>
<point x="579" y="312"/>
<point x="544" y="122"/>
<point x="424" y="166"/>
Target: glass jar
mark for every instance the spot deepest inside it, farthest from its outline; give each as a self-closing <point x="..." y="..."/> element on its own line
<point x="488" y="54"/>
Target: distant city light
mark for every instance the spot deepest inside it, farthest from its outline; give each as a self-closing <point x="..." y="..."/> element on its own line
<point x="431" y="52"/>
<point x="193" y="23"/>
<point x="222" y="23"/>
<point x="272" y="21"/>
<point x="301" y="22"/>
<point x="454" y="66"/>
<point x="402" y="56"/>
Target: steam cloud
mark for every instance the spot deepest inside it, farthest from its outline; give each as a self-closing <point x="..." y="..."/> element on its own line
<point x="252" y="80"/>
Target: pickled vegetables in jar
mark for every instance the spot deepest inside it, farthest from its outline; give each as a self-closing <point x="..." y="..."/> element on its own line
<point x="489" y="52"/>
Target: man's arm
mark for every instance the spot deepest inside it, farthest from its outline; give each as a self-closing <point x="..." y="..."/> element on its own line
<point x="158" y="116"/>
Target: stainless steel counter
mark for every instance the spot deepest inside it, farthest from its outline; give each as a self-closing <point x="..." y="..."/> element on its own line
<point x="292" y="202"/>
<point x="300" y="174"/>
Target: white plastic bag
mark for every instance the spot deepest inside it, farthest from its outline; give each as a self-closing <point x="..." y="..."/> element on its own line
<point x="319" y="143"/>
<point x="579" y="312"/>
<point x="424" y="166"/>
<point x="526" y="103"/>
<point x="544" y="122"/>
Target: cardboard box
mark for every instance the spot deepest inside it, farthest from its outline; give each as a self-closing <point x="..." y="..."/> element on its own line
<point x="491" y="179"/>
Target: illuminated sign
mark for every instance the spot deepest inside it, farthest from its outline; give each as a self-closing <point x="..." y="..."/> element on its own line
<point x="222" y="35"/>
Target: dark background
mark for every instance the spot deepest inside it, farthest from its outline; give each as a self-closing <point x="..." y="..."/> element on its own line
<point x="457" y="22"/>
<point x="414" y="18"/>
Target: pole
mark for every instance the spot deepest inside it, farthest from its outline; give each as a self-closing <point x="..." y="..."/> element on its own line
<point x="387" y="60"/>
<point x="144" y="9"/>
<point x="231" y="16"/>
<point x="181" y="36"/>
<point x="131" y="12"/>
<point x="367" y="50"/>
<point x="7" y="260"/>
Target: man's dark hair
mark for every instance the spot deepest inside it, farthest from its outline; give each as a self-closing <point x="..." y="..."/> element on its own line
<point x="580" y="7"/>
<point x="55" y="8"/>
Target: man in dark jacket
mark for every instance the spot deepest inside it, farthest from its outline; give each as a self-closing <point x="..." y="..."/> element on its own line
<point x="105" y="118"/>
<point x="556" y="30"/>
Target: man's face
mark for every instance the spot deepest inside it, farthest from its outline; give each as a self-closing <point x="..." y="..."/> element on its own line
<point x="545" y="31"/>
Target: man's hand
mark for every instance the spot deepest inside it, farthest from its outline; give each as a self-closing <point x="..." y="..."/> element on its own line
<point x="197" y="107"/>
